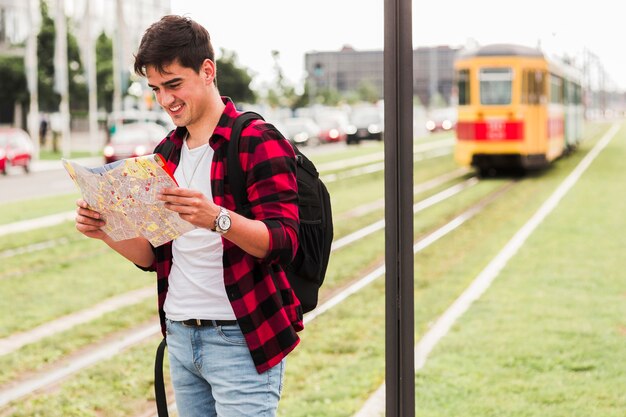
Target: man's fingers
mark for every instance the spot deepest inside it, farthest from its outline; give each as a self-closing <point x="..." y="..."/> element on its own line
<point x="87" y="220"/>
<point x="180" y="192"/>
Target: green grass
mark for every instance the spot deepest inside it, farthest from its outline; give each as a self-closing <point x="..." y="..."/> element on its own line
<point x="38" y="207"/>
<point x="64" y="287"/>
<point x="548" y="336"/>
<point x="46" y="154"/>
<point x="476" y="370"/>
<point x="113" y="388"/>
<point x="36" y="356"/>
<point x="342" y="153"/>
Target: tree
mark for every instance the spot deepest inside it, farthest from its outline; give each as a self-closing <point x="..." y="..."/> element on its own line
<point x="284" y="94"/>
<point x="329" y="96"/>
<point x="77" y="82"/>
<point x="437" y="101"/>
<point x="367" y="91"/>
<point x="13" y="88"/>
<point x="234" y="80"/>
<point x="104" y="71"/>
<point x="48" y="98"/>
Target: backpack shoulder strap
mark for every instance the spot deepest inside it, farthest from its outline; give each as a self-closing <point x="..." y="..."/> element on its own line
<point x="235" y="172"/>
<point x="159" y="384"/>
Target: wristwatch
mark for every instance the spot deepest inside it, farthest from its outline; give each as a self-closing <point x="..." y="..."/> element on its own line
<point x="222" y="222"/>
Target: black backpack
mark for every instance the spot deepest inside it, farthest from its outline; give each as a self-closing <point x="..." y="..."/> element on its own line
<point x="307" y="270"/>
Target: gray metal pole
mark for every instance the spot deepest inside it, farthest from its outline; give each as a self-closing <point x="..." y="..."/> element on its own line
<point x="398" y="94"/>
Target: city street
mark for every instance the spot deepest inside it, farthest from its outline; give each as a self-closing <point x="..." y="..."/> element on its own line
<point x="47" y="177"/>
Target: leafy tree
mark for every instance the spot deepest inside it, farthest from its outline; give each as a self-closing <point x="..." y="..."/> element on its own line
<point x="303" y="100"/>
<point x="437" y="101"/>
<point x="13" y="88"/>
<point x="104" y="71"/>
<point x="284" y="94"/>
<point x="77" y="83"/>
<point x="48" y="98"/>
<point x="234" y="80"/>
<point x="367" y="91"/>
<point x="329" y="96"/>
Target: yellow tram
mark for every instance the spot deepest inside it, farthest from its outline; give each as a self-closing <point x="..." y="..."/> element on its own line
<point x="516" y="108"/>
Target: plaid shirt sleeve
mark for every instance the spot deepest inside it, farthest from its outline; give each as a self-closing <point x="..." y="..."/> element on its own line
<point x="272" y="189"/>
<point x="263" y="301"/>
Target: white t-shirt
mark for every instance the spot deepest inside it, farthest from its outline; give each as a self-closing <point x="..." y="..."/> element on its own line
<point x="196" y="282"/>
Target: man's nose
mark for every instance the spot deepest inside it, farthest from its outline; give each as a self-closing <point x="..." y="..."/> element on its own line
<point x="165" y="99"/>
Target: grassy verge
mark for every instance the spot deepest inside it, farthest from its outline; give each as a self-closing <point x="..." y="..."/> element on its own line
<point x="38" y="207"/>
<point x="548" y="336"/>
<point x="65" y="287"/>
<point x="341" y="358"/>
<point x="347" y="265"/>
<point x="49" y="155"/>
<point x="36" y="356"/>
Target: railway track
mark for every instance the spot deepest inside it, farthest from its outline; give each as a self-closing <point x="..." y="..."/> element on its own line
<point x="18" y="390"/>
<point x="46" y="379"/>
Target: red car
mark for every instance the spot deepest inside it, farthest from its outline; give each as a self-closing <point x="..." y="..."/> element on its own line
<point x="333" y="127"/>
<point x="133" y="139"/>
<point x="16" y="149"/>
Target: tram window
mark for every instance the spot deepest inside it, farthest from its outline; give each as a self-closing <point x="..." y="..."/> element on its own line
<point x="463" y="86"/>
<point x="578" y="94"/>
<point x="573" y="92"/>
<point x="556" y="89"/>
<point x="533" y="87"/>
<point x="495" y="86"/>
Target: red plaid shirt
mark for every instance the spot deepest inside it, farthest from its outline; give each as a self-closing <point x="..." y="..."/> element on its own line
<point x="266" y="308"/>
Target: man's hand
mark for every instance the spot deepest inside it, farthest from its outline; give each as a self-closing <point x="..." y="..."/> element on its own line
<point x="191" y="205"/>
<point x="89" y="222"/>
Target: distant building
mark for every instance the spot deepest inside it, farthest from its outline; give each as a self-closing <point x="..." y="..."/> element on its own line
<point x="14" y="26"/>
<point x="348" y="70"/>
<point x="13" y="23"/>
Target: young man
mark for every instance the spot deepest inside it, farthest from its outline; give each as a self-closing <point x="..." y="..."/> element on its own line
<point x="229" y="314"/>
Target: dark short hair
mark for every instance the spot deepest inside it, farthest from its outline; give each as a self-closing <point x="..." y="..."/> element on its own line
<point x="173" y="38"/>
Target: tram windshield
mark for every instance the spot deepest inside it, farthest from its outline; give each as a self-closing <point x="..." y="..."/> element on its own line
<point x="495" y="86"/>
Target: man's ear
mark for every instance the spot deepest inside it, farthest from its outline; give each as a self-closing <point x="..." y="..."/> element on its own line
<point x="208" y="71"/>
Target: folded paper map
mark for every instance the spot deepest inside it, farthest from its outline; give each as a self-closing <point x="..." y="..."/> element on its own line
<point x="125" y="194"/>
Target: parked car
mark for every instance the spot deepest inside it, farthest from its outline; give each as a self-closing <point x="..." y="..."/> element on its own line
<point x="121" y="118"/>
<point x="333" y="126"/>
<point x="443" y="119"/>
<point x="366" y="123"/>
<point x="301" y="131"/>
<point x="16" y="149"/>
<point x="133" y="139"/>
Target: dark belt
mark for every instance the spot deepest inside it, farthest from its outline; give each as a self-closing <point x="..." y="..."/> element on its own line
<point x="210" y="323"/>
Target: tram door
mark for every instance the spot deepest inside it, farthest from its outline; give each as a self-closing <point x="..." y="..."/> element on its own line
<point x="534" y="97"/>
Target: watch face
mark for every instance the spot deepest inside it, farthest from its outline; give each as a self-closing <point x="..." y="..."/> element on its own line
<point x="223" y="222"/>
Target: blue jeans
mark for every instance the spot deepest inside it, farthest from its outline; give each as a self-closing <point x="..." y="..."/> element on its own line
<point x="213" y="374"/>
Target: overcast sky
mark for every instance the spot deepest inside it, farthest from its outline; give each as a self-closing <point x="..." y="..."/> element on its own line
<point x="254" y="28"/>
